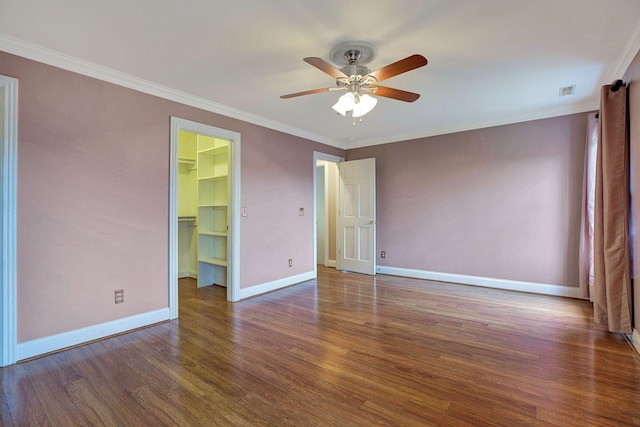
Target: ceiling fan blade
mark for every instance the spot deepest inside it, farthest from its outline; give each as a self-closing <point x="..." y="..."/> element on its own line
<point x="323" y="65"/>
<point x="407" y="64"/>
<point x="306" y="92"/>
<point x="400" y="95"/>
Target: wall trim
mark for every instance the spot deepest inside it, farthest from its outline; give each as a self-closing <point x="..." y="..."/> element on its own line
<point x="487" y="282"/>
<point x="330" y="263"/>
<point x="70" y="63"/>
<point x="276" y="284"/>
<point x="8" y="226"/>
<point x="635" y="340"/>
<point x="233" y="240"/>
<point x="192" y="274"/>
<point x="547" y="113"/>
<point x="45" y="345"/>
<point x="629" y="52"/>
<point x="188" y="273"/>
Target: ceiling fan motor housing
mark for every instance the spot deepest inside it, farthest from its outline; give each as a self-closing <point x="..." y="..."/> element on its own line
<point x="357" y="78"/>
<point x="355" y="70"/>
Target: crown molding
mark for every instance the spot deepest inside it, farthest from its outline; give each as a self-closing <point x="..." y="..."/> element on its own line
<point x="90" y="69"/>
<point x="67" y="62"/>
<point x="507" y="120"/>
<point x="628" y="54"/>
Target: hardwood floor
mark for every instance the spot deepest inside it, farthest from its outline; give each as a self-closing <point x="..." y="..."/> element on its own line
<point x="349" y="350"/>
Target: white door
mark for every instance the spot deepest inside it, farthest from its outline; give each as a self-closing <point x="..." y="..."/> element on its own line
<point x="356" y="222"/>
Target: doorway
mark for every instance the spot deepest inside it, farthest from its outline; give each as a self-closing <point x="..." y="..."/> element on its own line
<point x="354" y="214"/>
<point x="213" y="218"/>
<point x="325" y="180"/>
<point x="326" y="203"/>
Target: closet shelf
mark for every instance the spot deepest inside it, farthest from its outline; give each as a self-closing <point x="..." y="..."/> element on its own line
<point x="213" y="151"/>
<point x="214" y="233"/>
<point x="214" y="261"/>
<point x="187" y="161"/>
<point x="213" y="178"/>
<point x="213" y="205"/>
<point x="212" y="200"/>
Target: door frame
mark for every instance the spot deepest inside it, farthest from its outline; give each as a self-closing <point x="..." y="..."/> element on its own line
<point x="317" y="155"/>
<point x="8" y="230"/>
<point x="233" y="245"/>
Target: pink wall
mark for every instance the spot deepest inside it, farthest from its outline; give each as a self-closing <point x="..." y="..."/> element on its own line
<point x="633" y="77"/>
<point x="279" y="168"/>
<point x="93" y="171"/>
<point x="501" y="202"/>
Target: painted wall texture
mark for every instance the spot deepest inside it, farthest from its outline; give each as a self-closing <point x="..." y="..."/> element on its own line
<point x="500" y="202"/>
<point x="632" y="76"/>
<point x="93" y="197"/>
<point x="93" y="173"/>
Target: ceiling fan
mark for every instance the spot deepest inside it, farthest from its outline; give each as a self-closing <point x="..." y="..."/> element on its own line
<point x="358" y="80"/>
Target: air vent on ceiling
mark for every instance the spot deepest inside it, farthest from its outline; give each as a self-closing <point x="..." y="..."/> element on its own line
<point x="567" y="90"/>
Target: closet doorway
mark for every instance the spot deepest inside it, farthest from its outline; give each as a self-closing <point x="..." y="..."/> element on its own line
<point x="325" y="198"/>
<point x="204" y="214"/>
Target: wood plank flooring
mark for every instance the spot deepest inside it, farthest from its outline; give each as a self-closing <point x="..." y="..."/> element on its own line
<point x="347" y="350"/>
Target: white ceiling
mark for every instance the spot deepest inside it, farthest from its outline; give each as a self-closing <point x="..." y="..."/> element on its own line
<point x="490" y="62"/>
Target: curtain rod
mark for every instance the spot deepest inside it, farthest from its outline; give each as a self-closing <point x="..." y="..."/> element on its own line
<point x="616" y="85"/>
<point x="614" y="88"/>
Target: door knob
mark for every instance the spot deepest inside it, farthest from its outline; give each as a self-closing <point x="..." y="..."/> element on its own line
<point x="371" y="222"/>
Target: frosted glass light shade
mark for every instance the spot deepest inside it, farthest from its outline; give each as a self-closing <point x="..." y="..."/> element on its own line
<point x="345" y="103"/>
<point x="365" y="105"/>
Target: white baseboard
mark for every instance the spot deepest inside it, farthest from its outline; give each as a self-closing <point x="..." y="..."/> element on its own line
<point x="511" y="285"/>
<point x="40" y="346"/>
<point x="330" y="263"/>
<point x="635" y="340"/>
<point x="188" y="273"/>
<point x="276" y="284"/>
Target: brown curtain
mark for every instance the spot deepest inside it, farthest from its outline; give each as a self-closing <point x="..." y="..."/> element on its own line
<point x="612" y="269"/>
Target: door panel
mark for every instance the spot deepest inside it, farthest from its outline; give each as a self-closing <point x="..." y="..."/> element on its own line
<point x="356" y="216"/>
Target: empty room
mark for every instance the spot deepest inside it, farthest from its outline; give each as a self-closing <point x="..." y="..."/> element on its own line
<point x="320" y="213"/>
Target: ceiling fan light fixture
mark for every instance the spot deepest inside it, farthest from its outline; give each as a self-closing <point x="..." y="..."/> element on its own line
<point x="365" y="104"/>
<point x="345" y="103"/>
<point x="358" y="80"/>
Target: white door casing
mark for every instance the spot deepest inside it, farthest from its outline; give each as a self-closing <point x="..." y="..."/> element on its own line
<point x="8" y="204"/>
<point x="356" y="222"/>
<point x="233" y="239"/>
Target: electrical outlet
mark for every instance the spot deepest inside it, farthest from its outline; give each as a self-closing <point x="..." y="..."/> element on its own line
<point x="290" y="262"/>
<point x="244" y="211"/>
<point x="119" y="296"/>
<point x="301" y="212"/>
<point x="383" y="254"/>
